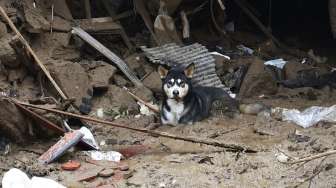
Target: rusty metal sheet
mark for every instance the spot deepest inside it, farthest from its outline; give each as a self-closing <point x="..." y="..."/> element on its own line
<point x="205" y="73"/>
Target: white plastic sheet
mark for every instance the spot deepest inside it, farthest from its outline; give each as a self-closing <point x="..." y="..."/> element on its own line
<point x="280" y="63"/>
<point x="105" y="155"/>
<point x="15" y="178"/>
<point x="310" y="116"/>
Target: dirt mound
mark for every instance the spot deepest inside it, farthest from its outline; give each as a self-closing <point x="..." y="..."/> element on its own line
<point x="13" y="124"/>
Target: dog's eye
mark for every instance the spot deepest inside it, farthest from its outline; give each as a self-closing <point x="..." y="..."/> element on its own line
<point x="182" y="84"/>
<point x="170" y="84"/>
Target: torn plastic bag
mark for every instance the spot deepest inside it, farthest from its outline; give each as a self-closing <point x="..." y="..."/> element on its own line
<point x="310" y="116"/>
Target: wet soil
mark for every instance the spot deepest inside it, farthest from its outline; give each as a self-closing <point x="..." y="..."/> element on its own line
<point x="172" y="163"/>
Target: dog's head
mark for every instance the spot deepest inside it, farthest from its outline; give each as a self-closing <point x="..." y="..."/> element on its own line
<point x="176" y="81"/>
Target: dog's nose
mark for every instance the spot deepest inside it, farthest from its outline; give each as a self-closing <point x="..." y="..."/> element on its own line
<point x="175" y="93"/>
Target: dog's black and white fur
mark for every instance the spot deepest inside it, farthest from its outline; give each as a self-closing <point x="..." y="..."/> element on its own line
<point x="183" y="103"/>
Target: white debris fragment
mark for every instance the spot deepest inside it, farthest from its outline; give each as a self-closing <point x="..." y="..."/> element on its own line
<point x="310" y="116"/>
<point x="282" y="158"/>
<point x="15" y="178"/>
<point x="145" y="110"/>
<point x="245" y="49"/>
<point x="221" y="55"/>
<point x="280" y="63"/>
<point x="100" y="112"/>
<point x="88" y="137"/>
<point x="105" y="155"/>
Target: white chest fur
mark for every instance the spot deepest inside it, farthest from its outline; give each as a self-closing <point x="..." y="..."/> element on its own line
<point x="176" y="112"/>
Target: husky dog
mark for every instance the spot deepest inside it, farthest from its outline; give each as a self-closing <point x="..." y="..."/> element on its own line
<point x="183" y="103"/>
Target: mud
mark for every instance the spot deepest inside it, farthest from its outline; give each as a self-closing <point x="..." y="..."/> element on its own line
<point x="151" y="161"/>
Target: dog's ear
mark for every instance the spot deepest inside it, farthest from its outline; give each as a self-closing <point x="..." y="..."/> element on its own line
<point x="163" y="71"/>
<point x="189" y="70"/>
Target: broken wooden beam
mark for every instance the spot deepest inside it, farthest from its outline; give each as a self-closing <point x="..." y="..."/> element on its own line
<point x="30" y="50"/>
<point x="230" y="147"/>
<point x="107" y="53"/>
<point x="258" y="23"/>
<point x="104" y="25"/>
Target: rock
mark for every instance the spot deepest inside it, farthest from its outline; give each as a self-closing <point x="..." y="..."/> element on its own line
<point x="144" y="93"/>
<point x="60" y="24"/>
<point x="88" y="174"/>
<point x="116" y="98"/>
<point x="106" y="173"/>
<point x="153" y="82"/>
<point x="101" y="74"/>
<point x="34" y="18"/>
<point x="3" y="29"/>
<point x="257" y="81"/>
<point x="120" y="81"/>
<point x="123" y="167"/>
<point x="133" y="150"/>
<point x="72" y="79"/>
<point x="13" y="124"/>
<point x="135" y="61"/>
<point x="71" y="165"/>
<point x="17" y="74"/>
<point x="7" y="53"/>
<point x="292" y="68"/>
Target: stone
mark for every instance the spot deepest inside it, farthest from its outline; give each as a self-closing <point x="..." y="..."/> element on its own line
<point x="291" y="69"/>
<point x="60" y="24"/>
<point x="257" y="81"/>
<point x="3" y="29"/>
<point x="120" y="81"/>
<point x="144" y="93"/>
<point x="13" y="124"/>
<point x="72" y="78"/>
<point x="33" y="16"/>
<point x="153" y="82"/>
<point x="106" y="173"/>
<point x="123" y="167"/>
<point x="7" y="53"/>
<point x="116" y="98"/>
<point x="101" y="75"/>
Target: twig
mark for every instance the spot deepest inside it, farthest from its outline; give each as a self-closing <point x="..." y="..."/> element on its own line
<point x="216" y="143"/>
<point x="258" y="23"/>
<point x="37" y="60"/>
<point x="327" y="153"/>
<point x="150" y="106"/>
<point x="317" y="170"/>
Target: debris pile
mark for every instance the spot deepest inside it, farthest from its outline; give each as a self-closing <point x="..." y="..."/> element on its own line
<point x="80" y="94"/>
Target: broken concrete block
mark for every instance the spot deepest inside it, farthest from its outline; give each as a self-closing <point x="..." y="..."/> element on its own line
<point x="153" y="81"/>
<point x="72" y="78"/>
<point x="101" y="74"/>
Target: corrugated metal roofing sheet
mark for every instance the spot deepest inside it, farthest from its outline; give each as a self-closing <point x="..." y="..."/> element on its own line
<point x="205" y="73"/>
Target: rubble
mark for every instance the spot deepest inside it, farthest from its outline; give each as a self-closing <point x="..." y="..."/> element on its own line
<point x="72" y="78"/>
<point x="258" y="80"/>
<point x="112" y="81"/>
<point x="100" y="74"/>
